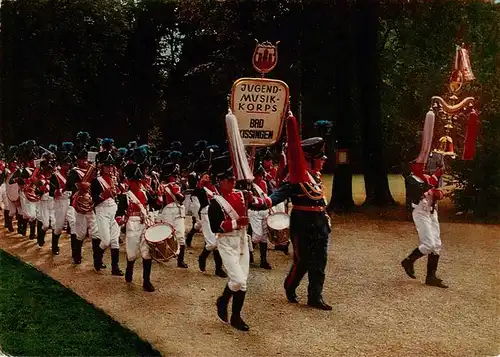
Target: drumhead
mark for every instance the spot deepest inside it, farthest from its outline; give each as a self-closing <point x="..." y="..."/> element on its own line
<point x="278" y="221"/>
<point x="158" y="232"/>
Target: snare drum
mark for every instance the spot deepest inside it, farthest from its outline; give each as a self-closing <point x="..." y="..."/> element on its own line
<point x="161" y="240"/>
<point x="278" y="228"/>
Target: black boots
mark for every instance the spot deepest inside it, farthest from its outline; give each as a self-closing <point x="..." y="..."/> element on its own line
<point x="55" y="243"/>
<point x="263" y="256"/>
<point x="189" y="236"/>
<point x="115" y="258"/>
<point x="32" y="229"/>
<point x="222" y="303"/>
<point x="40" y="234"/>
<point x="432" y="264"/>
<point x="146" y="275"/>
<point x="291" y="296"/>
<point x="409" y="261"/>
<point x="236" y="320"/>
<point x="21" y="225"/>
<point x="180" y="257"/>
<point x="202" y="262"/>
<point x="218" y="265"/>
<point x="202" y="259"/>
<point x="129" y="272"/>
<point x="8" y="221"/>
<point x="97" y="253"/>
<point x="76" y="249"/>
<point x="320" y="304"/>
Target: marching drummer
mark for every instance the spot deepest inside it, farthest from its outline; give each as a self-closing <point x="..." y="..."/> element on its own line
<point x="205" y="191"/>
<point x="133" y="210"/>
<point x="174" y="211"/>
<point x="258" y="218"/>
<point x="229" y="220"/>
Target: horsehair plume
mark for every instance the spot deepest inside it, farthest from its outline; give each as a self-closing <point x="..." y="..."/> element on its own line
<point x="132" y="145"/>
<point x="147" y="149"/>
<point x="176" y="145"/>
<point x="237" y="151"/>
<point x="427" y="135"/>
<point x="201" y="145"/>
<point x="297" y="165"/>
<point x="470" y="136"/>
<point x="107" y="143"/>
<point x="30" y="144"/>
<point x="83" y="137"/>
<point x="122" y="151"/>
<point x="67" y="146"/>
<point x="174" y="155"/>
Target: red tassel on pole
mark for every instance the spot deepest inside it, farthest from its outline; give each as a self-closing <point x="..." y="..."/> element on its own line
<point x="297" y="165"/>
<point x="470" y="136"/>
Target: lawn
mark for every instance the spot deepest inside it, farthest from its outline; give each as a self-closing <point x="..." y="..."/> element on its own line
<point x="396" y="185"/>
<point x="40" y="317"/>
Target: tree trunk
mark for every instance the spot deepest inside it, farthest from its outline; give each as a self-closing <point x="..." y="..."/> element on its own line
<point x="369" y="79"/>
<point x="343" y="133"/>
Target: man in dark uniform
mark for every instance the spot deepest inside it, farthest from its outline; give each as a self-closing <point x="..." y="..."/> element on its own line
<point x="309" y="223"/>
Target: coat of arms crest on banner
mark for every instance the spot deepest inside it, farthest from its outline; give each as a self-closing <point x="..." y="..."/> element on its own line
<point x="265" y="57"/>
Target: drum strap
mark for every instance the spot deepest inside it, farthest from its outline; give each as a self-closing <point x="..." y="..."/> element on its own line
<point x="167" y="189"/>
<point x="60" y="178"/>
<point x="134" y="199"/>
<point x="80" y="173"/>
<point x="227" y="208"/>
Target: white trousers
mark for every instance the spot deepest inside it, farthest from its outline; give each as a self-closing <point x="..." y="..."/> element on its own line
<point x="14" y="207"/>
<point x="259" y="225"/>
<point x="427" y="226"/>
<point x="135" y="242"/>
<point x="233" y="249"/>
<point x="84" y="222"/>
<point x="108" y="229"/>
<point x="192" y="205"/>
<point x="61" y="206"/>
<point x="45" y="212"/>
<point x="210" y="237"/>
<point x="71" y="218"/>
<point x="3" y="197"/>
<point x="28" y="208"/>
<point x="175" y="215"/>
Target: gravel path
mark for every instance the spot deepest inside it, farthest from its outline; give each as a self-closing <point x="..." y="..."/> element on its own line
<point x="378" y="311"/>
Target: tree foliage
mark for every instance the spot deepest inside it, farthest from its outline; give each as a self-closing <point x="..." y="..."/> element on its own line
<point x="133" y="69"/>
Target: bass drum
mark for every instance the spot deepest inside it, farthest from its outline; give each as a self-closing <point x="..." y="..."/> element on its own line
<point x="161" y="240"/>
<point x="278" y="228"/>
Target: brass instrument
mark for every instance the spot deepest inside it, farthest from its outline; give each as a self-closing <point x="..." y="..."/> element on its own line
<point x="82" y="201"/>
<point x="29" y="190"/>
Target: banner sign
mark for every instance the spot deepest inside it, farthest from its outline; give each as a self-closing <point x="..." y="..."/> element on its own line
<point x="260" y="105"/>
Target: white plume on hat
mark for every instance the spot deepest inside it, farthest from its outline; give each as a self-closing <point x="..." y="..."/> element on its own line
<point x="237" y="151"/>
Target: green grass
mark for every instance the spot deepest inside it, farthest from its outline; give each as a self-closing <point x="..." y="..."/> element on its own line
<point x="396" y="185"/>
<point x="40" y="317"/>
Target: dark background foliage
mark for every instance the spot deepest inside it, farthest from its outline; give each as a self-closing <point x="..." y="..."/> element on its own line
<point x="160" y="70"/>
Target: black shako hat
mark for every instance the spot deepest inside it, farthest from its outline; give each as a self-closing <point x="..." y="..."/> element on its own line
<point x="222" y="167"/>
<point x="314" y="148"/>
